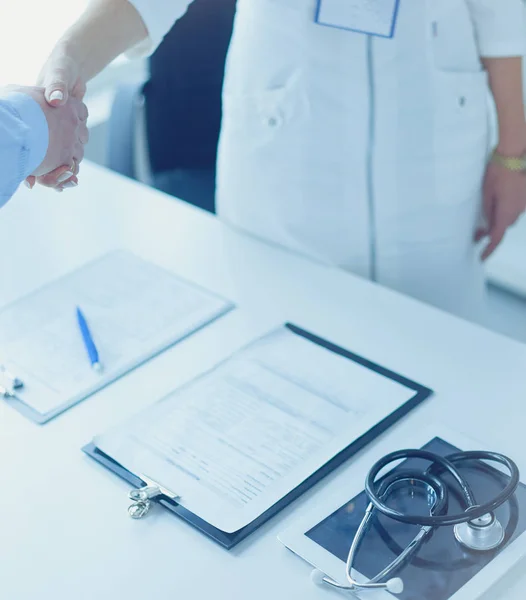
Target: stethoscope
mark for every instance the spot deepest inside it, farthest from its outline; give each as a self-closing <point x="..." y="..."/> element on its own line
<point x="477" y="528"/>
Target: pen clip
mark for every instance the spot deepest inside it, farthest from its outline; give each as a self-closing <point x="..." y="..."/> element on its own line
<point x="143" y="496"/>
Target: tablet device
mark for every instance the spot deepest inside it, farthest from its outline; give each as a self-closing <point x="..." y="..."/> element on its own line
<point x="442" y="569"/>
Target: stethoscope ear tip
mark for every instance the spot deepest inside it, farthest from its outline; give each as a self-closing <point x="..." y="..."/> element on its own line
<point x="317" y="577"/>
<point x="395" y="585"/>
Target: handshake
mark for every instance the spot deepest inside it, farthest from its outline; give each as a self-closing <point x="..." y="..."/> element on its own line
<point x="68" y="132"/>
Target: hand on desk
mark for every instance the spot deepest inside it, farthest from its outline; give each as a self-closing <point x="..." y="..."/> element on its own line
<point x="68" y="133"/>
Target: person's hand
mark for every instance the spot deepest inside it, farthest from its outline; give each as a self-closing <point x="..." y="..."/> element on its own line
<point x="504" y="201"/>
<point x="61" y="80"/>
<point x="68" y="133"/>
<point x="59" y="179"/>
<point x="61" y="77"/>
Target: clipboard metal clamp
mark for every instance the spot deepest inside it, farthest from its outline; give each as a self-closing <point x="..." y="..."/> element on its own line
<point x="143" y="496"/>
<point x="6" y="393"/>
<point x="14" y="382"/>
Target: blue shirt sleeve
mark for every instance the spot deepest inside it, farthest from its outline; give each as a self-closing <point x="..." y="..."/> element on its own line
<point x="24" y="140"/>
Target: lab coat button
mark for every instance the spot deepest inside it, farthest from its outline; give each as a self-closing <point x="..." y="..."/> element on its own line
<point x="272" y="118"/>
<point x="462" y="100"/>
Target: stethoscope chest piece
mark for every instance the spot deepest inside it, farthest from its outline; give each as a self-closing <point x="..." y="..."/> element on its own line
<point x="481" y="534"/>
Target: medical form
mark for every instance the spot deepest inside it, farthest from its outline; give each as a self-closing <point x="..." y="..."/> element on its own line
<point x="234" y="441"/>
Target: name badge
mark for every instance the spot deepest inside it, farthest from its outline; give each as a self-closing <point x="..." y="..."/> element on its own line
<point x="372" y="17"/>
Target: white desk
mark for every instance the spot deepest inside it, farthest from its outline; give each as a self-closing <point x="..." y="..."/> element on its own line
<point x="64" y="531"/>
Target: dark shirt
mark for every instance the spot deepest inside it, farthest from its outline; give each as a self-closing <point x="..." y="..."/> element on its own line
<point x="183" y="94"/>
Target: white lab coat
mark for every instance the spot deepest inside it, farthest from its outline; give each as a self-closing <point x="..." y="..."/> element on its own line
<point x="362" y="152"/>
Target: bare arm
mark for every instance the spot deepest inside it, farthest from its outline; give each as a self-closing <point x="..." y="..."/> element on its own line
<point x="105" y="30"/>
<point x="500" y="31"/>
<point x="504" y="192"/>
<point x="505" y="79"/>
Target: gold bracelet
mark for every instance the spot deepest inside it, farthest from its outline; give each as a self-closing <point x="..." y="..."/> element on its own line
<point x="517" y="164"/>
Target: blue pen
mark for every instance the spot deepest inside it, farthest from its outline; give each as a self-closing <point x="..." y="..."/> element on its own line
<point x="88" y="341"/>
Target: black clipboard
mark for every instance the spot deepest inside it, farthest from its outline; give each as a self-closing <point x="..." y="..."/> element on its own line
<point x="229" y="540"/>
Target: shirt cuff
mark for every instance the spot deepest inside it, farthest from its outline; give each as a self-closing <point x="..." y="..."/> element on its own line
<point x="504" y="48"/>
<point x="155" y="26"/>
<point x="37" y="132"/>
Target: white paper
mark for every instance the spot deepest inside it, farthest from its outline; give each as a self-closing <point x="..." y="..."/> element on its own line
<point x="237" y="439"/>
<point x="134" y="309"/>
<point x="376" y="17"/>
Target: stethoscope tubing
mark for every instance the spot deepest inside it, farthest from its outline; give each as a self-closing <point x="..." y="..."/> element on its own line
<point x="473" y="510"/>
<point x="378" y="492"/>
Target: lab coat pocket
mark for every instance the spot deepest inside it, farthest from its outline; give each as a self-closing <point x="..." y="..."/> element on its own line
<point x="453" y="37"/>
<point x="262" y="162"/>
<point x="461" y="134"/>
<point x="259" y="117"/>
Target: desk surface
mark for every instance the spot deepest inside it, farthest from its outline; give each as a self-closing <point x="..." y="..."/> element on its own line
<point x="63" y="525"/>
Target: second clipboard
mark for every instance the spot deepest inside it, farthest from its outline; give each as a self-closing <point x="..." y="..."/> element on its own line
<point x="135" y="310"/>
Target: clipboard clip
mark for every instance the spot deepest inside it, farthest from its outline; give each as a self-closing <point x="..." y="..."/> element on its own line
<point x="143" y="496"/>
<point x="6" y="393"/>
<point x="15" y="382"/>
